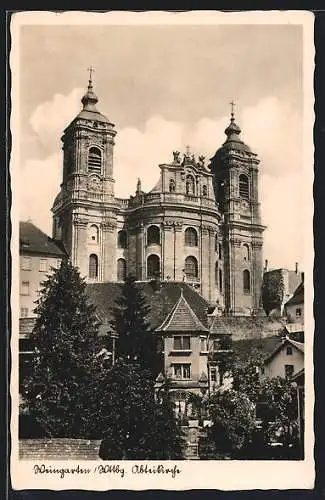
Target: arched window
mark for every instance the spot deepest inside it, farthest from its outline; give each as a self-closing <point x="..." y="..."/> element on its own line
<point x="243" y="186"/>
<point x="191" y="237"/>
<point x="153" y="266"/>
<point x="93" y="266"/>
<point x="94" y="160"/>
<point x="93" y="234"/>
<point x="216" y="273"/>
<point x="121" y="270"/>
<point x="246" y="281"/>
<point x="220" y="281"/>
<point x="122" y="239"/>
<point x="246" y="252"/>
<point x="172" y="186"/>
<point x="191" y="267"/>
<point x="204" y="191"/>
<point x="190" y="185"/>
<point x="153" y="235"/>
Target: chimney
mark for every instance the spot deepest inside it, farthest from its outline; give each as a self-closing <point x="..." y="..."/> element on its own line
<point x="296" y="268"/>
<point x="266" y="265"/>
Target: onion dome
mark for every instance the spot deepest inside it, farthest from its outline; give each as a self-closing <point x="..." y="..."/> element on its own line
<point x="89" y="111"/>
<point x="90" y="99"/>
<point x="233" y="140"/>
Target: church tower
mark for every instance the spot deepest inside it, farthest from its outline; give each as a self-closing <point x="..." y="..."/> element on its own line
<point x="236" y="169"/>
<point x="85" y="212"/>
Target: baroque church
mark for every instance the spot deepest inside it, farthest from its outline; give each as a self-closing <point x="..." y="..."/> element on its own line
<point x="199" y="224"/>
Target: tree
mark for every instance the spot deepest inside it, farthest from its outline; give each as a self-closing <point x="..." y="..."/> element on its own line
<point x="136" y="341"/>
<point x="280" y="400"/>
<point x="66" y="360"/>
<point x="233" y="421"/>
<point x="168" y="437"/>
<point x="133" y="424"/>
<point x="272" y="291"/>
<point x="224" y="357"/>
<point x="246" y="378"/>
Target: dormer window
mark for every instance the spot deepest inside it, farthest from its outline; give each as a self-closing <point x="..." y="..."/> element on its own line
<point x="94" y="160"/>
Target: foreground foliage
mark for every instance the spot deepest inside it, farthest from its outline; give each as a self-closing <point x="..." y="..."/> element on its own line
<point x="66" y="360"/>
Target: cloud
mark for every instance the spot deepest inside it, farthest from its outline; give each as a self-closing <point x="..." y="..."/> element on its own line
<point x="51" y="117"/>
<point x="39" y="184"/>
<point x="267" y="128"/>
<point x="282" y="213"/>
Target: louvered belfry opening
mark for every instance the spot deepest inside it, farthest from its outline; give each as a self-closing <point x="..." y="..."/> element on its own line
<point x="95" y="160"/>
<point x="243" y="186"/>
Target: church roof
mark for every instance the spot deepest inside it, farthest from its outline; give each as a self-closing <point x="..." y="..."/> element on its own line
<point x="233" y="141"/>
<point x="89" y="111"/>
<point x="219" y="326"/>
<point x="182" y="318"/>
<point x="162" y="297"/>
<point x="157" y="188"/>
<point x="33" y="240"/>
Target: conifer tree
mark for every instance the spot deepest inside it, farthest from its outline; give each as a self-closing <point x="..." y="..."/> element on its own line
<point x="136" y="341"/>
<point x="133" y="423"/>
<point x="66" y="361"/>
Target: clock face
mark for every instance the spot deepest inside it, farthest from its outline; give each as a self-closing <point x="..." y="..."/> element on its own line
<point x="244" y="205"/>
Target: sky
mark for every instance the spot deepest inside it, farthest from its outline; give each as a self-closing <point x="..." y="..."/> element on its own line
<point x="166" y="87"/>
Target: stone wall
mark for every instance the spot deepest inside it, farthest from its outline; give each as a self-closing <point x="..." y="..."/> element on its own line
<point x="58" y="449"/>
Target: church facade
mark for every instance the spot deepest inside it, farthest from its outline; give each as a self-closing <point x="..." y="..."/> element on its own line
<point x="200" y="223"/>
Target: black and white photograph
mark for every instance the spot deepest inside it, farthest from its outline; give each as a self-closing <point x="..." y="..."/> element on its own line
<point x="162" y="250"/>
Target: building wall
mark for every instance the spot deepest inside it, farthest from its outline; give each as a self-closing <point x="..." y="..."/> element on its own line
<point x="195" y="357"/>
<point x="34" y="276"/>
<point x="276" y="367"/>
<point x="295" y="313"/>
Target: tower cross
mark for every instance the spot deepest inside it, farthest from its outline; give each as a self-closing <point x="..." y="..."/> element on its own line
<point x="232" y="104"/>
<point x="91" y="71"/>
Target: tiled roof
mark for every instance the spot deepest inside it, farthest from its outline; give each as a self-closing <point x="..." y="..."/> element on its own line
<point x="298" y="375"/>
<point x="182" y="318"/>
<point x="298" y="296"/>
<point x="298" y="345"/>
<point x="33" y="240"/>
<point x="160" y="297"/>
<point x="157" y="188"/>
<point x="294" y="280"/>
<point x="219" y="326"/>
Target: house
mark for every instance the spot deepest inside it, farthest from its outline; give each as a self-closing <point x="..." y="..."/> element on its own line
<point x="286" y="360"/>
<point x="38" y="254"/>
<point x="294" y="307"/>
